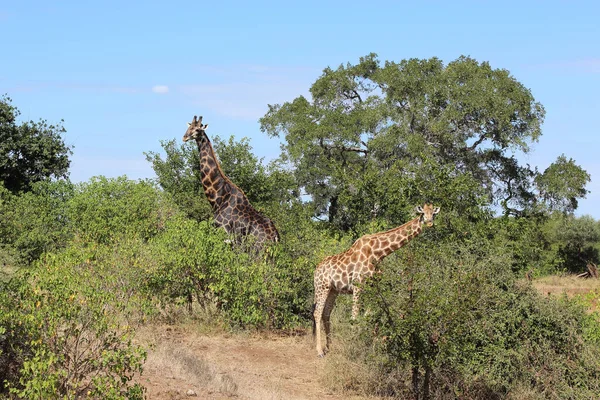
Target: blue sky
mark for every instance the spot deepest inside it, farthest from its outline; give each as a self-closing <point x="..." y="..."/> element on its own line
<point x="125" y="75"/>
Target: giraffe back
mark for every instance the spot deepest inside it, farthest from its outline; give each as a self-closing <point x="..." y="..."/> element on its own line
<point x="342" y="271"/>
<point x="238" y="217"/>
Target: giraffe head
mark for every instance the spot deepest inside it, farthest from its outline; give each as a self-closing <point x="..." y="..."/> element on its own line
<point x="427" y="212"/>
<point x="195" y="130"/>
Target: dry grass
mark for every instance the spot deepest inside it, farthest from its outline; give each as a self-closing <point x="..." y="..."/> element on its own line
<point x="181" y="362"/>
<point x="7" y="265"/>
<point x="344" y="371"/>
<point x="571" y="286"/>
<point x="172" y="367"/>
<point x="567" y="284"/>
<point x="221" y="365"/>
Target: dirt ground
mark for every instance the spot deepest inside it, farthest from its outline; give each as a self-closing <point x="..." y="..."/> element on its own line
<point x="185" y="363"/>
<point x="265" y="367"/>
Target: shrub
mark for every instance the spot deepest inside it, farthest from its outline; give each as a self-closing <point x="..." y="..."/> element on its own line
<point x="591" y="323"/>
<point x="105" y="209"/>
<point x="192" y="260"/>
<point x="35" y="222"/>
<point x="448" y="320"/>
<point x="16" y="332"/>
<point x="184" y="260"/>
<point x="69" y="329"/>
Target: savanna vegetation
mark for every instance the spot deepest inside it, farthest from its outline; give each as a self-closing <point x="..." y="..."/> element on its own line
<point x="450" y="316"/>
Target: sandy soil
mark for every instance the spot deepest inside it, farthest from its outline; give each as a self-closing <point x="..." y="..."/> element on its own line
<point x="225" y="366"/>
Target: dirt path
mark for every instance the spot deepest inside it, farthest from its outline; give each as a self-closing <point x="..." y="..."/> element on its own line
<point x="224" y="366"/>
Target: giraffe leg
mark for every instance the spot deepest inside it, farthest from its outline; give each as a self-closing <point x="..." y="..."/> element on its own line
<point x="355" y="304"/>
<point x="318" y="316"/>
<point x="329" y="303"/>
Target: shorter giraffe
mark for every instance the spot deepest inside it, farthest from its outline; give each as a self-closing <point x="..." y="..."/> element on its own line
<point x="338" y="274"/>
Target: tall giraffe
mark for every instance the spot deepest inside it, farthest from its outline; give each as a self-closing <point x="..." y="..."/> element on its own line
<point x="338" y="274"/>
<point x="230" y="206"/>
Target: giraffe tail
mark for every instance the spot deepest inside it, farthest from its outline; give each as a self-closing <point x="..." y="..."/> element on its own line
<point x="312" y="313"/>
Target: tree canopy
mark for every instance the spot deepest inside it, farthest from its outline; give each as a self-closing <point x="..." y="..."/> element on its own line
<point x="31" y="151"/>
<point x="179" y="175"/>
<point x="375" y="136"/>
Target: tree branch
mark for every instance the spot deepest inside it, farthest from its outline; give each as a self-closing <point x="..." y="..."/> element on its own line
<point x="477" y="142"/>
<point x="343" y="148"/>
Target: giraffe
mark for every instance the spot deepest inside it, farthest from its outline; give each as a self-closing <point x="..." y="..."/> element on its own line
<point x="338" y="274"/>
<point x="230" y="206"/>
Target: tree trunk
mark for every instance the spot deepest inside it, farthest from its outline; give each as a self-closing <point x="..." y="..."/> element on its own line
<point x="426" y="383"/>
<point x="415" y="382"/>
<point x="333" y="208"/>
<point x="190" y="302"/>
<point x="593" y="270"/>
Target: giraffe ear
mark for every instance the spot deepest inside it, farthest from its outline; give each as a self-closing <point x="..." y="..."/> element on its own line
<point x="436" y="210"/>
<point x="419" y="210"/>
<point x="204" y="127"/>
<point x="189" y="124"/>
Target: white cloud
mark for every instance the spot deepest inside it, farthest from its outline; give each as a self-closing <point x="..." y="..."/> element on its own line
<point x="160" y="89"/>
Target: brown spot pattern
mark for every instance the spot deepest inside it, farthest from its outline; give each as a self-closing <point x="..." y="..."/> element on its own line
<point x="337" y="274"/>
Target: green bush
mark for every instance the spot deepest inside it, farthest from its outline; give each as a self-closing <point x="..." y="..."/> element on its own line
<point x="105" y="209"/>
<point x="37" y="221"/>
<point x="16" y="332"/>
<point x="591" y="321"/>
<point x="574" y="240"/>
<point x="448" y="320"/>
<point x="185" y="258"/>
<point x="67" y="328"/>
<point x="192" y="260"/>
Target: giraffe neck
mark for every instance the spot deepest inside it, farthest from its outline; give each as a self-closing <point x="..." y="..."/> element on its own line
<point x="392" y="240"/>
<point x="214" y="181"/>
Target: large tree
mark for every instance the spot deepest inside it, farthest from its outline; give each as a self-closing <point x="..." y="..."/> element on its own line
<point x="31" y="151"/>
<point x="374" y="137"/>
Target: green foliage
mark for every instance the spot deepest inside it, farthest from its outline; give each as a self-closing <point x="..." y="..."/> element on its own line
<point x="36" y="221"/>
<point x="186" y="257"/>
<point x="68" y="326"/>
<point x="192" y="261"/>
<point x="375" y="135"/>
<point x="591" y="324"/>
<point x="575" y="241"/>
<point x="30" y="152"/>
<point x="179" y="175"/>
<point x="562" y="183"/>
<point x="105" y="209"/>
<point x="16" y="333"/>
<point x="448" y="320"/>
<point x="524" y="240"/>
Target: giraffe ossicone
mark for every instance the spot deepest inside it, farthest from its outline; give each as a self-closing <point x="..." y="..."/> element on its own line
<point x="230" y="206"/>
<point x="338" y="274"/>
